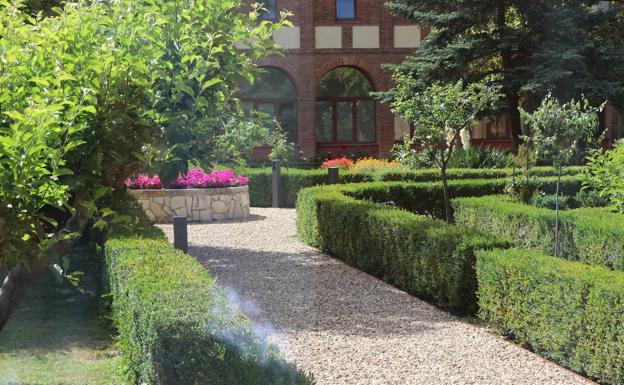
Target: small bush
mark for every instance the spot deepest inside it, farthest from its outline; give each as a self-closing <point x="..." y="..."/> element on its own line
<point x="481" y="158"/>
<point x="565" y="311"/>
<point x="590" y="235"/>
<point x="376" y="165"/>
<point x="424" y="256"/>
<point x="177" y="327"/>
<point x="549" y="201"/>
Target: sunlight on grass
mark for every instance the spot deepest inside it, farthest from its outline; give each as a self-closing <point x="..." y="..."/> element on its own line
<point x="57" y="337"/>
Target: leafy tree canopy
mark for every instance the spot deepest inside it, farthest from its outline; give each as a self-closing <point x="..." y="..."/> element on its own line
<point x="567" y="47"/>
<point x="98" y="92"/>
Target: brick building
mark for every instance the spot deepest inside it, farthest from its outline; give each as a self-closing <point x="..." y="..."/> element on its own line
<point x="319" y="90"/>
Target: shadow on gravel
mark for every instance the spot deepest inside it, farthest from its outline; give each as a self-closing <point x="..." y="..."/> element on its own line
<point x="307" y="291"/>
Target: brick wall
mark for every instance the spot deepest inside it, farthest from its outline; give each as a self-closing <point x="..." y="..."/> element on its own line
<point x="307" y="65"/>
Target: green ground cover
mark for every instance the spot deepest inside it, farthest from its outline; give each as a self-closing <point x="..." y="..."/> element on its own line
<point x="57" y="336"/>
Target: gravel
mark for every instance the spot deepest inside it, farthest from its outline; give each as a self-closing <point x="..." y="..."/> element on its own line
<point x="347" y="327"/>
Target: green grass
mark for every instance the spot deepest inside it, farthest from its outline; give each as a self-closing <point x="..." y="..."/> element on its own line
<point x="56" y="336"/>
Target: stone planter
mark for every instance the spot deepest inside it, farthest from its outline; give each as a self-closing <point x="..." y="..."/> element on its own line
<point x="198" y="205"/>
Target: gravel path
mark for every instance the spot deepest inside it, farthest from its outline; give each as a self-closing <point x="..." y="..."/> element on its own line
<point x="346" y="327"/>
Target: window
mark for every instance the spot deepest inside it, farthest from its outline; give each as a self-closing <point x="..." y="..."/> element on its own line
<point x="345" y="112"/>
<point x="270" y="9"/>
<point x="274" y="94"/>
<point x="491" y="128"/>
<point x="345" y="9"/>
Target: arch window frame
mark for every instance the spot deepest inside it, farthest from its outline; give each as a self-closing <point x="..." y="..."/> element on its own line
<point x="277" y="102"/>
<point x="334" y="102"/>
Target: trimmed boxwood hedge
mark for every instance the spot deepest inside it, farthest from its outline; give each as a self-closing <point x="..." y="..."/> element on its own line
<point x="423" y="256"/>
<point x="427" y="198"/>
<point x="294" y="180"/>
<point x="176" y="326"/>
<point x="568" y="312"/>
<point x="590" y="235"/>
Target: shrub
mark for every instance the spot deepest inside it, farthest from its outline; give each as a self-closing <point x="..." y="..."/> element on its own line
<point x="481" y="158"/>
<point x="294" y="180"/>
<point x="343" y="163"/>
<point x="177" y="327"/>
<point x="605" y="175"/>
<point x="568" y="312"/>
<point x="590" y="235"/>
<point x="375" y="165"/>
<point x="550" y="201"/>
<point x="423" y="256"/>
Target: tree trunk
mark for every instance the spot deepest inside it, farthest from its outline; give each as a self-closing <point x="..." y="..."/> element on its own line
<point x="447" y="197"/>
<point x="14" y="287"/>
<point x="557" y="212"/>
<point x="516" y="122"/>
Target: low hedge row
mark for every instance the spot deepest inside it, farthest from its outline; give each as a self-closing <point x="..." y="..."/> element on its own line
<point x="427" y="198"/>
<point x="177" y="327"/>
<point x="568" y="312"/>
<point x="294" y="180"/>
<point x="590" y="235"/>
<point x="423" y="256"/>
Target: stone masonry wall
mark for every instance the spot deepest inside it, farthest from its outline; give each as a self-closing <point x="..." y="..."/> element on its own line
<point x="198" y="205"/>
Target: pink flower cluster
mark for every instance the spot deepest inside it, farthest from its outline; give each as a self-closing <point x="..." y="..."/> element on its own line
<point x="144" y="182"/>
<point x="197" y="178"/>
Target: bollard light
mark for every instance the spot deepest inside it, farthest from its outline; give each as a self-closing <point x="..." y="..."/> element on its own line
<point x="277" y="184"/>
<point x="180" y="234"/>
<point x="333" y="175"/>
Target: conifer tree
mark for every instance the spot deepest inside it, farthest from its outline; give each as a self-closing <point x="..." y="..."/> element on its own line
<point x="567" y="47"/>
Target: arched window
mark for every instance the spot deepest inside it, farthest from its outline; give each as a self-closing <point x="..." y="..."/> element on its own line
<point x="345" y="112"/>
<point x="275" y="94"/>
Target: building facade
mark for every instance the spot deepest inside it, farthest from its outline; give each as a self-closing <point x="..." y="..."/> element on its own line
<point x="320" y="90"/>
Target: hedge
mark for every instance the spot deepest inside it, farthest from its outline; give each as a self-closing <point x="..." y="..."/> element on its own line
<point x="590" y="235"/>
<point x="427" y="198"/>
<point x="294" y="180"/>
<point x="176" y="326"/>
<point x="568" y="312"/>
<point x="423" y="256"/>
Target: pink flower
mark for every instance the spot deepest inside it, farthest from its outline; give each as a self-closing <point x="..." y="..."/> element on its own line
<point x="197" y="178"/>
<point x="144" y="182"/>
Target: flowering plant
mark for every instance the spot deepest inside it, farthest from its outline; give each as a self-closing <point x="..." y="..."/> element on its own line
<point x="197" y="178"/>
<point x="342" y="163"/>
<point x="144" y="182"/>
<point x="372" y="164"/>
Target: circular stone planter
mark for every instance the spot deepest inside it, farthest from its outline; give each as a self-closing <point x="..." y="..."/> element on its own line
<point x="198" y="205"/>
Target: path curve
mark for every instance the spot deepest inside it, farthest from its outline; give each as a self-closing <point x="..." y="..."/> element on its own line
<point x="347" y="327"/>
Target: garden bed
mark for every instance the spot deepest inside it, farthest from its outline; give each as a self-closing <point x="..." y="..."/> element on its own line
<point x="198" y="205"/>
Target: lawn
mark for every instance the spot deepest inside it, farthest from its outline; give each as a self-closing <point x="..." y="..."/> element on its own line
<point x="57" y="336"/>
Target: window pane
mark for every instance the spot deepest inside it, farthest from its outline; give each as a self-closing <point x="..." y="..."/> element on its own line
<point x="345" y="9"/>
<point x="324" y="122"/>
<point x="287" y="116"/>
<point x="268" y="110"/>
<point x="366" y="120"/>
<point x="270" y="11"/>
<point x="345" y="82"/>
<point x="344" y="121"/>
<point x="271" y="83"/>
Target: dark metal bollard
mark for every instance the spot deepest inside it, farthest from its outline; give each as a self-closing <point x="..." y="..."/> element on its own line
<point x="277" y="184"/>
<point x="333" y="175"/>
<point x="180" y="234"/>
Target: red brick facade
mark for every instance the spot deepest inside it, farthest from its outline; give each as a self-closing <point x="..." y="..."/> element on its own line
<point x="307" y="65"/>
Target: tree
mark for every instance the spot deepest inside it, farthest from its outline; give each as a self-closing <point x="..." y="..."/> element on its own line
<point x="559" y="132"/>
<point x="94" y="95"/>
<point x="439" y="114"/>
<point x="530" y="47"/>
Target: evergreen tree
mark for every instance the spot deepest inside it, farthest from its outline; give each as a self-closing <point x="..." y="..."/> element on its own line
<point x="531" y="48"/>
